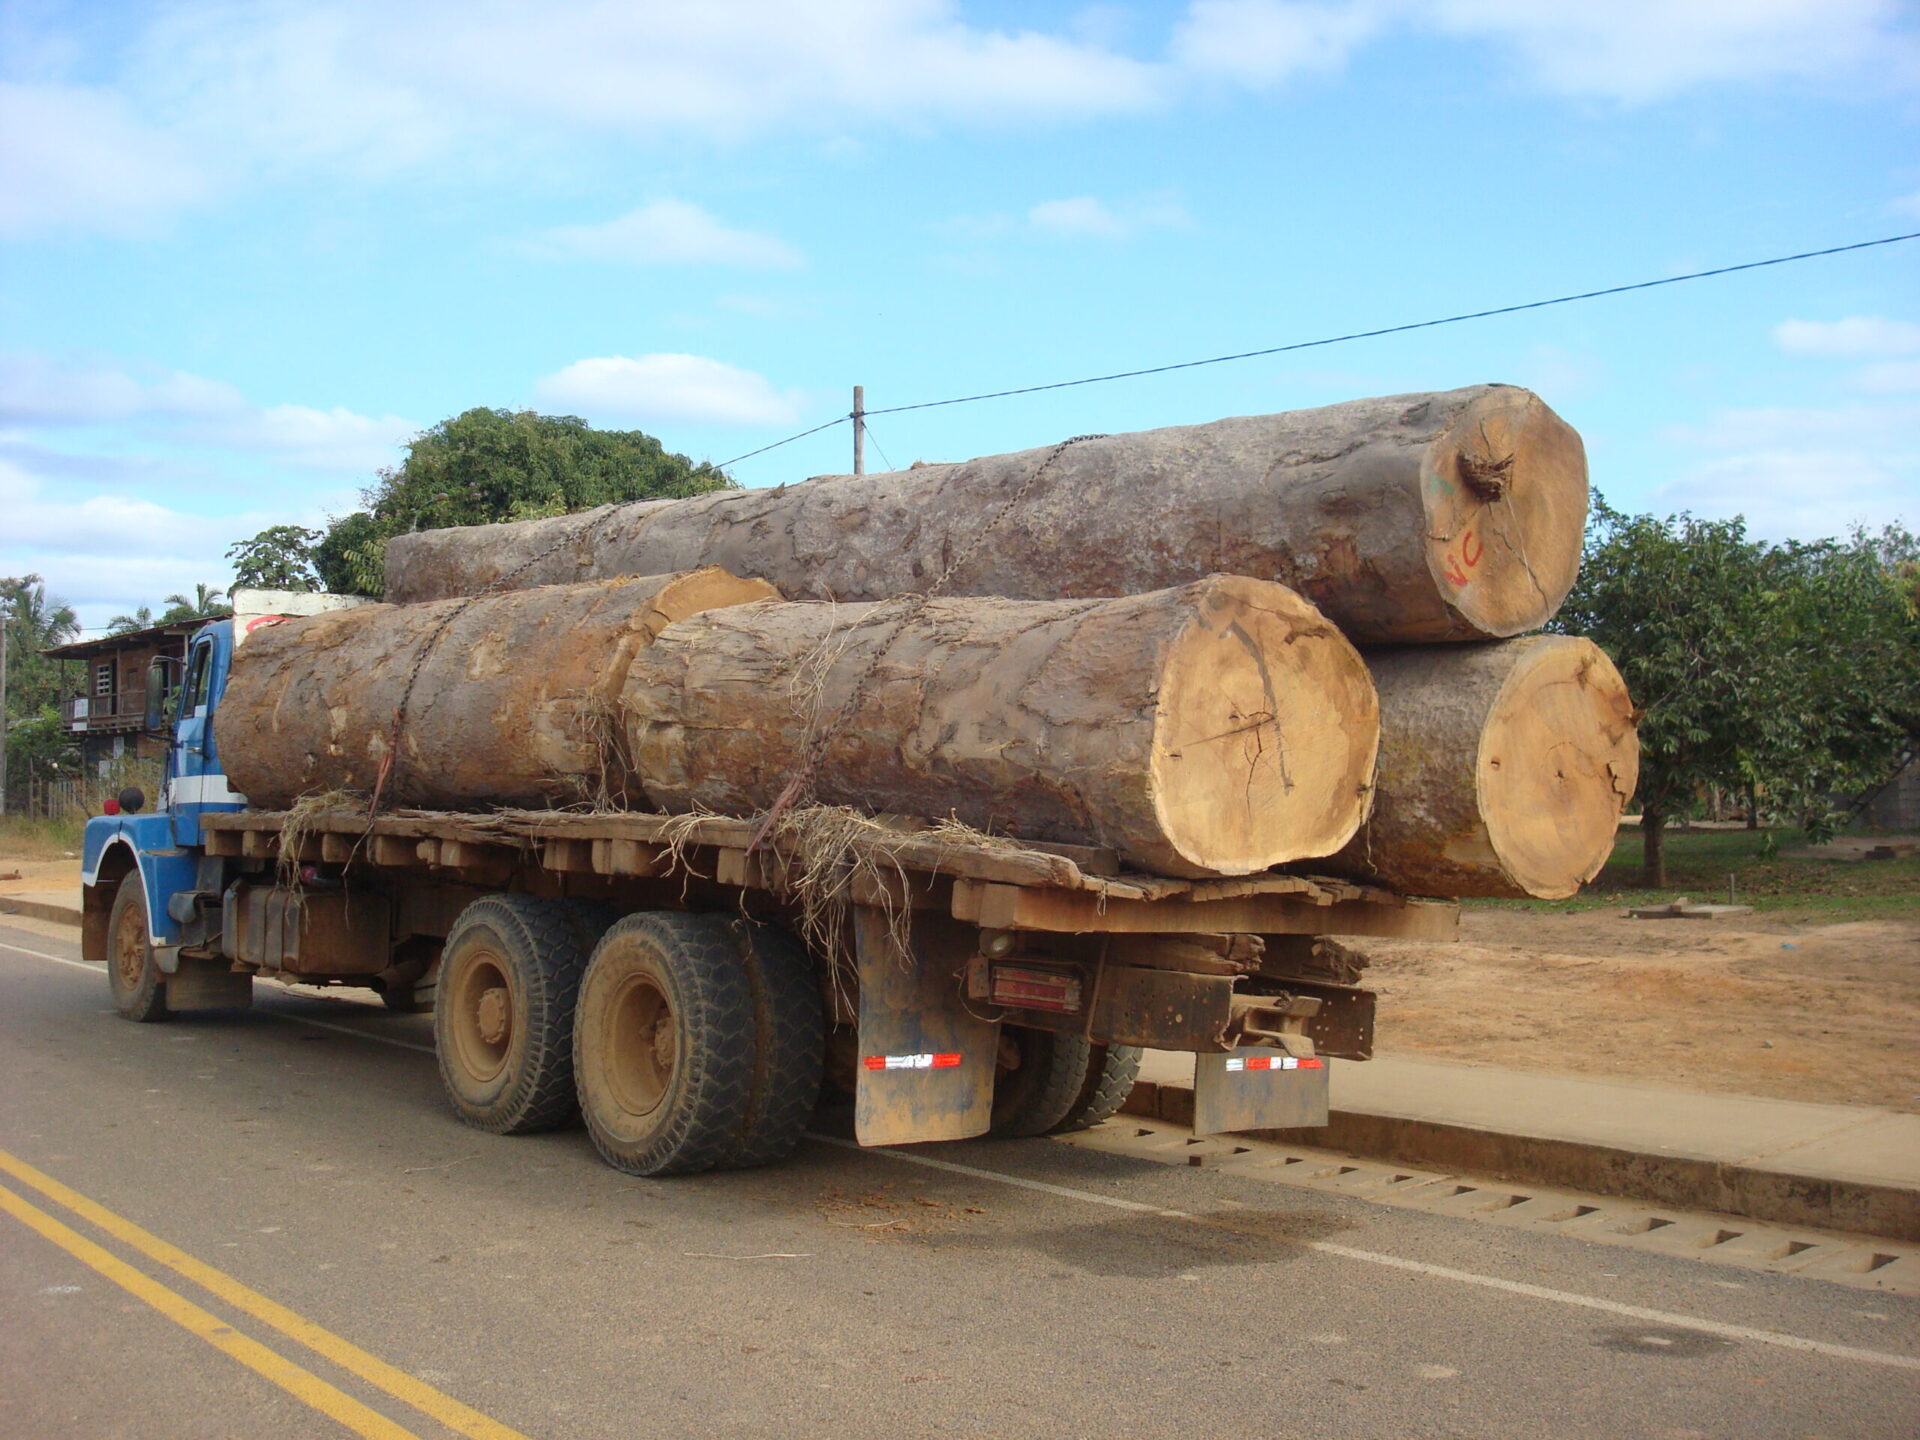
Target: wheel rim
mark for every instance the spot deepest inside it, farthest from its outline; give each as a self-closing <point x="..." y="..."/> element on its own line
<point x="130" y="950"/>
<point x="482" y="1016"/>
<point x="642" y="1045"/>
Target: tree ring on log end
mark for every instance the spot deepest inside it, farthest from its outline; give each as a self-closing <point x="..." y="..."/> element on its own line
<point x="1266" y="733"/>
<point x="1505" y="491"/>
<point x="1557" y="764"/>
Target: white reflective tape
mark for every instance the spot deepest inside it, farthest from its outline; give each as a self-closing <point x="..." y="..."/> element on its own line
<point x="202" y="790"/>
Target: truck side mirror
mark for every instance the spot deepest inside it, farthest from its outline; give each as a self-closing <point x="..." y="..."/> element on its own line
<point x="159" y="682"/>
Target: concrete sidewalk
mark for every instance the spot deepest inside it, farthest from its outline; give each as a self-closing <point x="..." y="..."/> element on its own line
<point x="1840" y="1167"/>
<point x="60" y="906"/>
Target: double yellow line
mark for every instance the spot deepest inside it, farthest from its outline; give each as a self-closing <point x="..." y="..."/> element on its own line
<point x="302" y="1384"/>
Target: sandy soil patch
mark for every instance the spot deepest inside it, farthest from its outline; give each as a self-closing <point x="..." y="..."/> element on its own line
<point x="1824" y="1012"/>
<point x="19" y="877"/>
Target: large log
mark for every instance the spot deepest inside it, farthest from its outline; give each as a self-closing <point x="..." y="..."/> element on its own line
<point x="1449" y="516"/>
<point x="1504" y="768"/>
<point x="1214" y="729"/>
<point x="513" y="706"/>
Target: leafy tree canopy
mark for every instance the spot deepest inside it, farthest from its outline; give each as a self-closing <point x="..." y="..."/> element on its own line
<point x="1794" y="669"/>
<point x="491" y="465"/>
<point x="280" y="557"/>
<point x="33" y="622"/>
<point x="206" y="602"/>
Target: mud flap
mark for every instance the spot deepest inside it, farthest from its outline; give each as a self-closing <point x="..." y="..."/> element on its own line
<point x="208" y="985"/>
<point x="926" y="1064"/>
<point x="1258" y="1089"/>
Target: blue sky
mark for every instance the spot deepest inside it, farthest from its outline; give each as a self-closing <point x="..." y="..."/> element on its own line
<point x="246" y="251"/>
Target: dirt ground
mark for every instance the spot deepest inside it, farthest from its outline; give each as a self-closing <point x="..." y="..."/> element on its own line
<point x="20" y="877"/>
<point x="1748" y="1004"/>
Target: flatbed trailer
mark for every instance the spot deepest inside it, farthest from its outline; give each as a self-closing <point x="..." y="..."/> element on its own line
<point x="687" y="982"/>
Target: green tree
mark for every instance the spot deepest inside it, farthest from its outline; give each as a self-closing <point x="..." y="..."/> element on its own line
<point x="206" y="602"/>
<point x="280" y="557"/>
<point x="34" y="622"/>
<point x="486" y="466"/>
<point x="1794" y="669"/>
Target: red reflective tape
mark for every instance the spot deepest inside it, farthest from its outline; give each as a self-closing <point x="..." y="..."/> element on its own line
<point x="911" y="1062"/>
<point x="1313" y="1064"/>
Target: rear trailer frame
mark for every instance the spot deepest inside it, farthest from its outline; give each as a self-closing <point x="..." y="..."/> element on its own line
<point x="937" y="960"/>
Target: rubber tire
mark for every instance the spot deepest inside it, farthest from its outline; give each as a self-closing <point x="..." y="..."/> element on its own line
<point x="692" y="962"/>
<point x="536" y="944"/>
<point x="145" y="1001"/>
<point x="1037" y="1095"/>
<point x="790" y="1042"/>
<point x="1111" y="1072"/>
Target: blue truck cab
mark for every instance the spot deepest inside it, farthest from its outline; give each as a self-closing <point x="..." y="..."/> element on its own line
<point x="163" y="912"/>
<point x="162" y="845"/>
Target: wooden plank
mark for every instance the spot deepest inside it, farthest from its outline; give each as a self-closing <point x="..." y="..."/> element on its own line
<point x="570" y="857"/>
<point x="337" y="849"/>
<point x="395" y="850"/>
<point x="220" y="842"/>
<point x="258" y="844"/>
<point x="1009" y="907"/>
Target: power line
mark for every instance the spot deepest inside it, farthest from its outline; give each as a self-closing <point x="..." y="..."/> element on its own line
<point x="1343" y="339"/>
<point x="837" y="420"/>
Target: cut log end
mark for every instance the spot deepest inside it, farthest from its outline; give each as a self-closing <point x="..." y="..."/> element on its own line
<point x="697" y="591"/>
<point x="1558" y="762"/>
<point x="1505" y="490"/>
<point x="1266" y="736"/>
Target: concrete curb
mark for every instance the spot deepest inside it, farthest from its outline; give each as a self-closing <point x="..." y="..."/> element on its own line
<point x="1823" y="1202"/>
<point x="40" y="910"/>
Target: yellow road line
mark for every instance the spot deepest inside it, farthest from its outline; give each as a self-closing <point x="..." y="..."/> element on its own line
<point x="303" y="1385"/>
<point x="348" y="1356"/>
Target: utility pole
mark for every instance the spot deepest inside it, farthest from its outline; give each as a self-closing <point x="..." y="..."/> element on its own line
<point x="859" y="429"/>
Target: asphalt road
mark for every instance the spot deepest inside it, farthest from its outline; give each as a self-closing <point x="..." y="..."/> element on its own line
<point x="269" y="1225"/>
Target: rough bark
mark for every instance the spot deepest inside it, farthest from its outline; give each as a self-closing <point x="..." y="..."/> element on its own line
<point x="1218" y="728"/>
<point x="513" y="706"/>
<point x="1504" y="768"/>
<point x="1448" y="516"/>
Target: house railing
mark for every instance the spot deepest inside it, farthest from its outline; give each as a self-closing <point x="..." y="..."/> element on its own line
<point x="97" y="712"/>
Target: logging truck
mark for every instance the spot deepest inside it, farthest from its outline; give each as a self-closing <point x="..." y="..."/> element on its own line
<point x="691" y="984"/>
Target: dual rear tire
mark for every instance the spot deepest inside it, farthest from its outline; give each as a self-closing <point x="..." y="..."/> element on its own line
<point x="698" y="1044"/>
<point x="687" y="1042"/>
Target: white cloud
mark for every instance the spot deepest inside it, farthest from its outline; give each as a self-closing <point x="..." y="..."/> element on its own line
<point x="1086" y="215"/>
<point x="1893" y="377"/>
<point x="1082" y="215"/>
<point x="335" y="439"/>
<point x="1796" y="495"/>
<point x="36" y="391"/>
<point x="669" y="232"/>
<point x="1856" y="337"/>
<point x="1640" y="50"/>
<point x="77" y="159"/>
<point x="1860" y="425"/>
<point x="1800" y="472"/>
<point x="667" y="387"/>
<point x="1078" y="217"/>
<point x="197" y="94"/>
<point x="1259" y="43"/>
